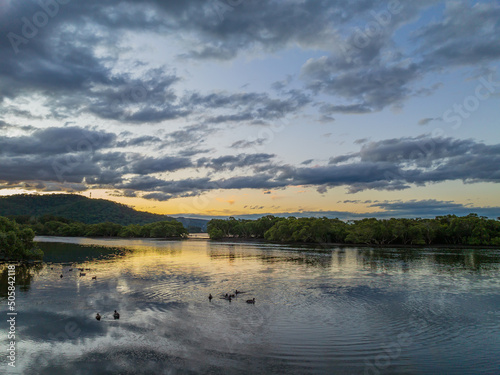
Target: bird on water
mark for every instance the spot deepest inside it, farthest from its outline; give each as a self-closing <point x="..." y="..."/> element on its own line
<point x="251" y="300"/>
<point x="98" y="316"/>
<point x="116" y="315"/>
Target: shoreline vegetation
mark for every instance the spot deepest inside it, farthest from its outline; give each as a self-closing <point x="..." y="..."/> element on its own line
<point x="17" y="232"/>
<point x="449" y="230"/>
<point x="49" y="225"/>
<point x="16" y="242"/>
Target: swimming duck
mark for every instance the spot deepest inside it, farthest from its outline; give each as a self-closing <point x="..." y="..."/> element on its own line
<point x="82" y="274"/>
<point x="251" y="300"/>
<point x="98" y="317"/>
<point x="94" y="277"/>
<point x="116" y="315"/>
<point x="61" y="276"/>
<point x="210" y="297"/>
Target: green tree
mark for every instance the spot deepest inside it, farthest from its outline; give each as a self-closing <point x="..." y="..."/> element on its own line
<point x="17" y="243"/>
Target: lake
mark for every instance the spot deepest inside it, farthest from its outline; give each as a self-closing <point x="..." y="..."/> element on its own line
<point x="317" y="311"/>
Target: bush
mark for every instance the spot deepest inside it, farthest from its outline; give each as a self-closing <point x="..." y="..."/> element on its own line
<point x="17" y="243"/>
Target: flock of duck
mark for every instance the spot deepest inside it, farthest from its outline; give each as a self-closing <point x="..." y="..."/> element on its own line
<point x="230" y="297"/>
<point x="81" y="272"/>
<point x="116" y="315"/>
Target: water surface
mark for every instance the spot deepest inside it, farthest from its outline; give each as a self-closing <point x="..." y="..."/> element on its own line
<point x="317" y="310"/>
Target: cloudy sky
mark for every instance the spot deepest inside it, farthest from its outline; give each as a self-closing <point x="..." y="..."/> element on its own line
<point x="249" y="107"/>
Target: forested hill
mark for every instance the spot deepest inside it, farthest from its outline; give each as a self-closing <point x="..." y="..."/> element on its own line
<point x="82" y="209"/>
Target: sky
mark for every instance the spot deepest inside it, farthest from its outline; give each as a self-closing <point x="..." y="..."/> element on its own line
<point x="243" y="108"/>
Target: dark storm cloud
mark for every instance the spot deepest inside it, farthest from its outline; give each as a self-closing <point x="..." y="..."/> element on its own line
<point x="49" y="168"/>
<point x="422" y="150"/>
<point x="370" y="89"/>
<point x="148" y="99"/>
<point x="175" y="188"/>
<point x="249" y="106"/>
<point x="53" y="141"/>
<point x="231" y="162"/>
<point x="466" y="36"/>
<point x="140" y="141"/>
<point x="149" y="165"/>
<point x="190" y="135"/>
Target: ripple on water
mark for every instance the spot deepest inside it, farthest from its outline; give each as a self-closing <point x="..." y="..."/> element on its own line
<point x="307" y="319"/>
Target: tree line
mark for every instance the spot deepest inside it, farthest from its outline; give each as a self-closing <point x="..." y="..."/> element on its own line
<point x="443" y="230"/>
<point x="49" y="225"/>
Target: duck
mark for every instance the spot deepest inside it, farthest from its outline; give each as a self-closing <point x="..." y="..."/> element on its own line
<point x="210" y="297"/>
<point x="116" y="315"/>
<point x="61" y="276"/>
<point x="82" y="274"/>
<point x="251" y="300"/>
<point x="94" y="277"/>
<point x="237" y="291"/>
<point x="229" y="298"/>
<point x="98" y="316"/>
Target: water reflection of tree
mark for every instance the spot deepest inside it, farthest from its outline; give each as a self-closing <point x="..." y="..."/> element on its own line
<point x="374" y="259"/>
<point x="232" y="252"/>
<point x="24" y="275"/>
<point x="447" y="260"/>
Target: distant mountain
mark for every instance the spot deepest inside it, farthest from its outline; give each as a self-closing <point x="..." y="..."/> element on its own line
<point x="85" y="210"/>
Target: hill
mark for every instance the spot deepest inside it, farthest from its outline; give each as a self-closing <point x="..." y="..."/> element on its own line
<point x="83" y="209"/>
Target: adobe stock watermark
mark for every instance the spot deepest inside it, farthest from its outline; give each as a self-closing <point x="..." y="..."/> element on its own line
<point x="471" y="103"/>
<point x="221" y="7"/>
<point x="32" y="25"/>
<point x="390" y="352"/>
<point x="373" y="29"/>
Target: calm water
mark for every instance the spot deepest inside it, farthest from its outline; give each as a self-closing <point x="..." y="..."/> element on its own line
<point x="317" y="311"/>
